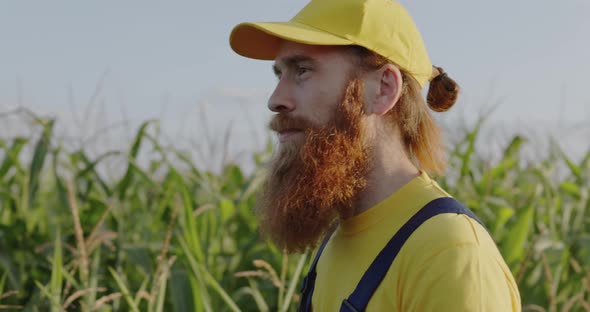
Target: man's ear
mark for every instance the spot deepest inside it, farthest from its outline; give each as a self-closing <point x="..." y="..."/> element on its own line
<point x="387" y="83"/>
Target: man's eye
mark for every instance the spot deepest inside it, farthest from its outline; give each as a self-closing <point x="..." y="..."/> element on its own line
<point x="302" y="70"/>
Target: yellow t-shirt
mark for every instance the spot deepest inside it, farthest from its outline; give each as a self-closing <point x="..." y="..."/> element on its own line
<point x="450" y="263"/>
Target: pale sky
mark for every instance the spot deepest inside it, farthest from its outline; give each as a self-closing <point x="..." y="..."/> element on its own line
<point x="171" y="59"/>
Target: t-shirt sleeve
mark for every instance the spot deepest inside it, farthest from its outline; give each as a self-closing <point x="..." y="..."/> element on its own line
<point x="460" y="278"/>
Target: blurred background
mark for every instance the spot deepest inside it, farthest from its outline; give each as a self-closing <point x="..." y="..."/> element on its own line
<point x="109" y="65"/>
<point x="132" y="141"/>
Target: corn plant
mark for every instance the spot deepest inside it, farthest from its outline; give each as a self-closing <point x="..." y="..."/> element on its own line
<point x="164" y="233"/>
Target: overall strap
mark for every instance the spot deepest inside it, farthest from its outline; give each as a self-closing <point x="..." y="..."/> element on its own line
<point x="374" y="275"/>
<point x="308" y="284"/>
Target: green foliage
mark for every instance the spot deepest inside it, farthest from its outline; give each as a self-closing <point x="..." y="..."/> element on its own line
<point x="169" y="236"/>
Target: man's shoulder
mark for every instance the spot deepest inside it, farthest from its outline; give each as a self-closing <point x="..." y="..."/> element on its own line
<point x="453" y="256"/>
<point x="448" y="230"/>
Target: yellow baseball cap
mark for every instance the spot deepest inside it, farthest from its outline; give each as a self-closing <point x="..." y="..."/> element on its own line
<point x="382" y="26"/>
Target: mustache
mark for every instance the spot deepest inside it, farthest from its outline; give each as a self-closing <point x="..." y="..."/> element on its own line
<point x="281" y="123"/>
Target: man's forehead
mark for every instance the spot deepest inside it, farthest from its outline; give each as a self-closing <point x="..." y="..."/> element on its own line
<point x="292" y="51"/>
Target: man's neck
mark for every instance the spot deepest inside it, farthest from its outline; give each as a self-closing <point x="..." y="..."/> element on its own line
<point x="390" y="171"/>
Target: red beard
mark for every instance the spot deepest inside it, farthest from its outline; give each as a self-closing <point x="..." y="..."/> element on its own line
<point x="311" y="185"/>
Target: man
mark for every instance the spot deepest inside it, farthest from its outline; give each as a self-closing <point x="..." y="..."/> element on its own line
<point x="357" y="146"/>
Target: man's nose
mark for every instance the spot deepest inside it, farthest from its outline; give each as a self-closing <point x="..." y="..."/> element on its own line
<point x="281" y="100"/>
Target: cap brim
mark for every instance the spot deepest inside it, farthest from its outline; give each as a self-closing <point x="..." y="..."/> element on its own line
<point x="262" y="40"/>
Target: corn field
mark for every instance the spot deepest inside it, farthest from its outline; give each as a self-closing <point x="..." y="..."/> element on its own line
<point x="167" y="235"/>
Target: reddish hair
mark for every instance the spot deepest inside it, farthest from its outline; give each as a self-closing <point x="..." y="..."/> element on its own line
<point x="419" y="132"/>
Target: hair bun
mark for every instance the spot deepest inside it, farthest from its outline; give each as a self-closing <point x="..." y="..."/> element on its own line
<point x="442" y="92"/>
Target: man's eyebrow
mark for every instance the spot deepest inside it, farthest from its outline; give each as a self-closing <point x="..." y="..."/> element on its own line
<point x="292" y="61"/>
<point x="276" y="70"/>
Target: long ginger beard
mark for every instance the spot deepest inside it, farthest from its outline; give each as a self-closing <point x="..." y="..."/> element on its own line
<point x="312" y="184"/>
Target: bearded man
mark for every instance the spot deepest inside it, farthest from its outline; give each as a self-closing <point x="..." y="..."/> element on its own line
<point x="352" y="171"/>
